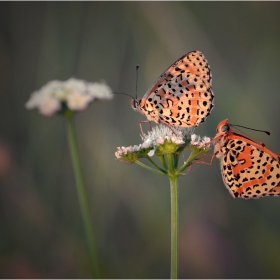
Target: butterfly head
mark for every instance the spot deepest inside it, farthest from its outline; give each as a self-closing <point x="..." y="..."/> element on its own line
<point x="134" y="104"/>
<point x="223" y="126"/>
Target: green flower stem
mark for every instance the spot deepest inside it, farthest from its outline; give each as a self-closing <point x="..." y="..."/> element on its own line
<point x="174" y="226"/>
<point x="176" y="160"/>
<point x="170" y="163"/>
<point x="153" y="163"/>
<point x="162" y="160"/>
<point x="81" y="194"/>
<point x="173" y="179"/>
<point x="194" y="154"/>
<point x="149" y="168"/>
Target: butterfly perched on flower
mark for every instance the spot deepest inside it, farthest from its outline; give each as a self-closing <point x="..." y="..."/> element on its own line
<point x="182" y="96"/>
<point x="249" y="169"/>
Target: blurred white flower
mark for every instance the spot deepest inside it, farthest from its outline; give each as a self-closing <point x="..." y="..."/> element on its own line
<point x="100" y="91"/>
<point x="75" y="94"/>
<point x="48" y="106"/>
<point x="77" y="101"/>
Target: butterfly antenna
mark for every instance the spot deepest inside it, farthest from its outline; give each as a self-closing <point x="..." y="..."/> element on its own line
<point x="267" y="132"/>
<point x="134" y="98"/>
<point x="136" y="87"/>
<point x="114" y="92"/>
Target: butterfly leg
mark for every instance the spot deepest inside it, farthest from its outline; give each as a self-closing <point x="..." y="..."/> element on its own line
<point x="188" y="171"/>
<point x="168" y="127"/>
<point x="203" y="162"/>
<point x="141" y="129"/>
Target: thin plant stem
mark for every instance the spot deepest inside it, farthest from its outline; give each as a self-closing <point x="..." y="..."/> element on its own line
<point x="187" y="163"/>
<point x="170" y="163"/>
<point x="150" y="168"/>
<point x="162" y="160"/>
<point x="82" y="195"/>
<point x="152" y="162"/>
<point x="174" y="226"/>
<point x="176" y="160"/>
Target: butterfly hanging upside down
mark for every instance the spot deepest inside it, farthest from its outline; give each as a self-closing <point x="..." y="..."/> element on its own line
<point x="182" y="96"/>
<point x="249" y="169"/>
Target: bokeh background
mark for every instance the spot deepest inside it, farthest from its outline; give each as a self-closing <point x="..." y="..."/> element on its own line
<point x="41" y="231"/>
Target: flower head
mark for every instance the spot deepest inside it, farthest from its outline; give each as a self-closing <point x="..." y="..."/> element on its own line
<point x="132" y="153"/>
<point x="163" y="140"/>
<point x="160" y="133"/>
<point x="199" y="142"/>
<point x="72" y="94"/>
<point x="167" y="143"/>
<point x="160" y="140"/>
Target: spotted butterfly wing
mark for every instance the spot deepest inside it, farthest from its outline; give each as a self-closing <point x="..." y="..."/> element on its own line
<point x="249" y="169"/>
<point x="182" y="96"/>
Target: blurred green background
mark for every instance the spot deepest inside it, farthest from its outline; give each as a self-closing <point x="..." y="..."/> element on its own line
<point x="41" y="231"/>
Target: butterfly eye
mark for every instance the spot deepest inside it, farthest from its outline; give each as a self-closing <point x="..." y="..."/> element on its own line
<point x="134" y="103"/>
<point x="224" y="128"/>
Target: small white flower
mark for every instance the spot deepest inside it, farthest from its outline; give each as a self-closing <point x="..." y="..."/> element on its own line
<point x="198" y="142"/>
<point x="205" y="141"/>
<point x="147" y="143"/>
<point x="161" y="140"/>
<point x="125" y="150"/>
<point x="76" y="94"/>
<point x="151" y="153"/>
<point x="161" y="133"/>
<point x="135" y="148"/>
<point x="195" y="139"/>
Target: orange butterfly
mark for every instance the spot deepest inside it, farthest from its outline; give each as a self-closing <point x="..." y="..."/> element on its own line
<point x="182" y="96"/>
<point x="249" y="169"/>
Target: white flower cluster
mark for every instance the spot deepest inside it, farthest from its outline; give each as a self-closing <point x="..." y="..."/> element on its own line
<point x="155" y="137"/>
<point x="76" y="94"/>
<point x="199" y="142"/>
<point x="136" y="148"/>
<point x="161" y="133"/>
<point x="125" y="150"/>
